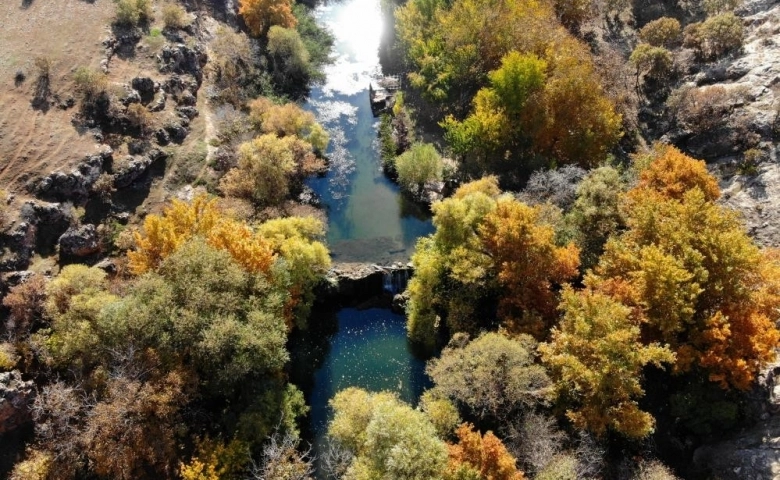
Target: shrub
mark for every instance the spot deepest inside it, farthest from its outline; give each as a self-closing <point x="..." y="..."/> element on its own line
<point x="654" y="62"/>
<point x="174" y="16"/>
<point x="132" y="12"/>
<point x="140" y="117"/>
<point x="3" y="208"/>
<point x="700" y="109"/>
<point x="716" y="36"/>
<point x="723" y="33"/>
<point x="713" y="7"/>
<point x="417" y="166"/>
<point x="8" y="358"/>
<point x="750" y="161"/>
<point x="89" y="82"/>
<point x="663" y="32"/>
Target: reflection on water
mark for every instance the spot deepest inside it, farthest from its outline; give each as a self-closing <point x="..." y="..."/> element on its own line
<point x="369" y="221"/>
<point x="363" y="348"/>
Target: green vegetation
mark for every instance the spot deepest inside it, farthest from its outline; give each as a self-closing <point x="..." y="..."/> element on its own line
<point x="205" y="324"/>
<point x="174" y="16"/>
<point x="132" y="12"/>
<point x="417" y="166"/>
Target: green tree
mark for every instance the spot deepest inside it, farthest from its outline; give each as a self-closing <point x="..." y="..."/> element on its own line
<point x="388" y="438"/>
<point x="493" y="376"/>
<point x="417" y="166"/>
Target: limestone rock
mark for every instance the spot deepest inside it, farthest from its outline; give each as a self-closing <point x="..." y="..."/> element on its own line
<point x="134" y="167"/>
<point x="180" y="58"/>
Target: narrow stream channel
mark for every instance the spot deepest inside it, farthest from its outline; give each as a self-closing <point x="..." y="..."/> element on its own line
<point x="368" y="221"/>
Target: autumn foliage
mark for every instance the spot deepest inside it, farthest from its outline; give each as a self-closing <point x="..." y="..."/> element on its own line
<point x="162" y="235"/>
<point x="482" y="455"/>
<point x="259" y="15"/>
<point x="692" y="276"/>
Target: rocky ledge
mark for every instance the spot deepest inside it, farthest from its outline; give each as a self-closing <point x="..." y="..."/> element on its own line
<point x="365" y="285"/>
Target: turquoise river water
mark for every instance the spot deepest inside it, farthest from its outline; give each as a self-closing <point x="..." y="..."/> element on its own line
<point x="368" y="220"/>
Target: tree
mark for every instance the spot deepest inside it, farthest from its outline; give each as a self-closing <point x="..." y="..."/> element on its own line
<point x="596" y="358"/>
<point x="388" y="438"/>
<point x="486" y="456"/>
<point x="528" y="109"/>
<point x="287" y="119"/>
<point x="688" y="270"/>
<point x="289" y="57"/>
<point x="265" y="169"/>
<point x="595" y="214"/>
<point x="528" y="264"/>
<point x="661" y="32"/>
<point x="260" y="15"/>
<point x="417" y="166"/>
<point x="673" y="174"/>
<point x="164" y="234"/>
<point x="493" y="376"/>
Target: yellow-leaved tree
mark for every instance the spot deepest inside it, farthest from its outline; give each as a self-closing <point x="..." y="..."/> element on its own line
<point x="260" y="15"/>
<point x="691" y="274"/>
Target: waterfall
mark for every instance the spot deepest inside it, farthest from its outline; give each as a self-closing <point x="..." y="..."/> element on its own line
<point x="394" y="280"/>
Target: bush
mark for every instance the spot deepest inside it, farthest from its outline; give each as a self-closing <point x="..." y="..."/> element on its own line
<point x="663" y="32"/>
<point x="716" y="36"/>
<point x="3" y="208"/>
<point x="89" y="82"/>
<point x="723" y="33"/>
<point x="132" y="12"/>
<point x="713" y="7"/>
<point x="8" y="358"/>
<point x="700" y="109"/>
<point x="417" y="166"/>
<point x="140" y="117"/>
<point x="654" y="62"/>
<point x="174" y="16"/>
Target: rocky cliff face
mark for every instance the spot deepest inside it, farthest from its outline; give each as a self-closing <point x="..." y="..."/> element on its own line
<point x="753" y="122"/>
<point x="15" y="398"/>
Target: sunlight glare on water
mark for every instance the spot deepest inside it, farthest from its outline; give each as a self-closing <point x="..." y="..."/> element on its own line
<point x="368" y="219"/>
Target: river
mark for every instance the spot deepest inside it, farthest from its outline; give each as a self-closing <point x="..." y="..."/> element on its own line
<point x="368" y="220"/>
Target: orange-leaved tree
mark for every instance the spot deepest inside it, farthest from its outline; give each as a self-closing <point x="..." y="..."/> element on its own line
<point x="260" y="15"/>
<point x="692" y="275"/>
<point x="528" y="264"/>
<point x="163" y="234"/>
<point x="480" y="457"/>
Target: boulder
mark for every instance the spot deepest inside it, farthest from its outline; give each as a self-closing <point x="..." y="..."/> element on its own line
<point x="146" y="88"/>
<point x="79" y="241"/>
<point x="16" y="395"/>
<point x="182" y="59"/>
<point x="134" y="167"/>
<point x="74" y="186"/>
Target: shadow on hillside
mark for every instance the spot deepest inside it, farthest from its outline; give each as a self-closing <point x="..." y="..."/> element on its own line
<point x="26" y="3"/>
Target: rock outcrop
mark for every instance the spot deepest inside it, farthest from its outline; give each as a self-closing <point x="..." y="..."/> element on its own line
<point x="16" y="395"/>
<point x="79" y="241"/>
<point x="356" y="284"/>
<point x="74" y="186"/>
